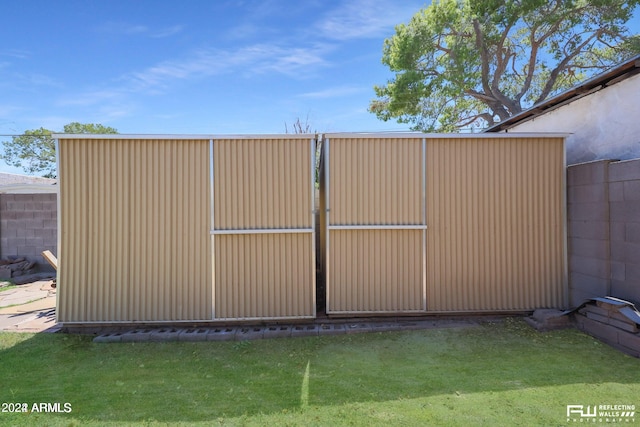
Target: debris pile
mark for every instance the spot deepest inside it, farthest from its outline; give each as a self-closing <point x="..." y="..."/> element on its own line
<point x="612" y="320"/>
<point x="548" y="319"/>
<point x="20" y="271"/>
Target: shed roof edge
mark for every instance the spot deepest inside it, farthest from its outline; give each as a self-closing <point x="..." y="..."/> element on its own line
<point x="310" y="136"/>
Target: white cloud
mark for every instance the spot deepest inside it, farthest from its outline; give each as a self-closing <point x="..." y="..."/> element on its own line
<point x="114" y="100"/>
<point x="359" y="19"/>
<point x="15" y="53"/>
<point x="128" y="29"/>
<point x="35" y="79"/>
<point x="166" y="32"/>
<point x="27" y="82"/>
<point x="334" y="92"/>
<point x="123" y="28"/>
<point x="92" y="98"/>
<point x="249" y="60"/>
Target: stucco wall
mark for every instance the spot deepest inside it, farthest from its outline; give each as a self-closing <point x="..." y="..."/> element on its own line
<point x="604" y="125"/>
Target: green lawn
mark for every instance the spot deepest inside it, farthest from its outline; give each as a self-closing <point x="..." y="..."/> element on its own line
<point x="497" y="374"/>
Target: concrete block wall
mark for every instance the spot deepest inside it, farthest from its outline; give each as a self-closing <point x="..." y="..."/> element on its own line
<point x="624" y="197"/>
<point x="588" y="231"/>
<point x="28" y="226"/>
<point x="603" y="229"/>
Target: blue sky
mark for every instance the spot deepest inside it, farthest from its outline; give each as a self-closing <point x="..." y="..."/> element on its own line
<point x="195" y="66"/>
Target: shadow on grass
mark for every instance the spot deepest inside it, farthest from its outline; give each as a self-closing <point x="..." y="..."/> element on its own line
<point x="170" y="382"/>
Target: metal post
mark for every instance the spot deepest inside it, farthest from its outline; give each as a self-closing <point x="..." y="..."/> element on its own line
<point x="424" y="222"/>
<point x="212" y="241"/>
<point x="327" y="264"/>
<point x="313" y="223"/>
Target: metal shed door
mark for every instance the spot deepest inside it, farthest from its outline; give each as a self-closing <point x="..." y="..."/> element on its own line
<point x="375" y="221"/>
<point x="262" y="227"/>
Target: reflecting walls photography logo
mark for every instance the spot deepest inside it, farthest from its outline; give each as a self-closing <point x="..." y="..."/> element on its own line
<point x="601" y="413"/>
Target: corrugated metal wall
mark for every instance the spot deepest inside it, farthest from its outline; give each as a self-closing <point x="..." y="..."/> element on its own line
<point x="264" y="255"/>
<point x="493" y="210"/>
<point x="134" y="222"/>
<point x="375" y="271"/>
<point x="374" y="190"/>
<point x="199" y="228"/>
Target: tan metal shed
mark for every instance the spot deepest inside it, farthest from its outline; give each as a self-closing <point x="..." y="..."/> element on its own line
<point x="415" y="223"/>
<point x="221" y="228"/>
<point x="185" y="228"/>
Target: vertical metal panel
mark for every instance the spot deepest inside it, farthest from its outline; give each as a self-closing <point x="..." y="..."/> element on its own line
<point x="262" y="276"/>
<point x="375" y="271"/>
<point x="262" y="183"/>
<point x="325" y="215"/>
<point x="135" y="240"/>
<point x="381" y="178"/>
<point x="374" y="187"/>
<point x="495" y="215"/>
<point x="263" y="228"/>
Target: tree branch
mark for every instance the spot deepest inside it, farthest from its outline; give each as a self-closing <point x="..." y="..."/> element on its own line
<point x="531" y="65"/>
<point x="484" y="56"/>
<point x="471" y="119"/>
<point x="563" y="65"/>
<point x="501" y="64"/>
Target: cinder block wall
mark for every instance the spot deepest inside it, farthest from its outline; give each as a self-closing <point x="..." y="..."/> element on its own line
<point x="624" y="196"/>
<point x="28" y="226"/>
<point x="588" y="231"/>
<point x="603" y="215"/>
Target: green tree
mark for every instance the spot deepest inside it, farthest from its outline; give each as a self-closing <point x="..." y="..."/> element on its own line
<point x="472" y="63"/>
<point x="35" y="150"/>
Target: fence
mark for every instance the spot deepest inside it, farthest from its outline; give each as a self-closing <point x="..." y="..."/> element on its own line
<point x="28" y="226"/>
<point x="604" y="230"/>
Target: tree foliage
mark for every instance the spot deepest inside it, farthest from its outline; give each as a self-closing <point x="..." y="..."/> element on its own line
<point x="472" y="63"/>
<point x="35" y="150"/>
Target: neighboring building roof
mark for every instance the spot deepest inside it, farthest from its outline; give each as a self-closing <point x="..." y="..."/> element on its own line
<point x="13" y="183"/>
<point x="615" y="75"/>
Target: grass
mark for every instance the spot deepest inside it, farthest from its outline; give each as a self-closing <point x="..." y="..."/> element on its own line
<point x="6" y="285"/>
<point x="495" y="374"/>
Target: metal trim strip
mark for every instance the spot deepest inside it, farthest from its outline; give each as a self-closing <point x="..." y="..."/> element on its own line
<point x="188" y="321"/>
<point x="377" y="227"/>
<point x="345" y="135"/>
<point x="375" y="312"/>
<point x="212" y="241"/>
<point x="421" y="135"/>
<point x="565" y="249"/>
<point x="312" y="147"/>
<point x="327" y="220"/>
<point x="58" y="224"/>
<point x="195" y="137"/>
<point x="262" y="231"/>
<point x="424" y="222"/>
